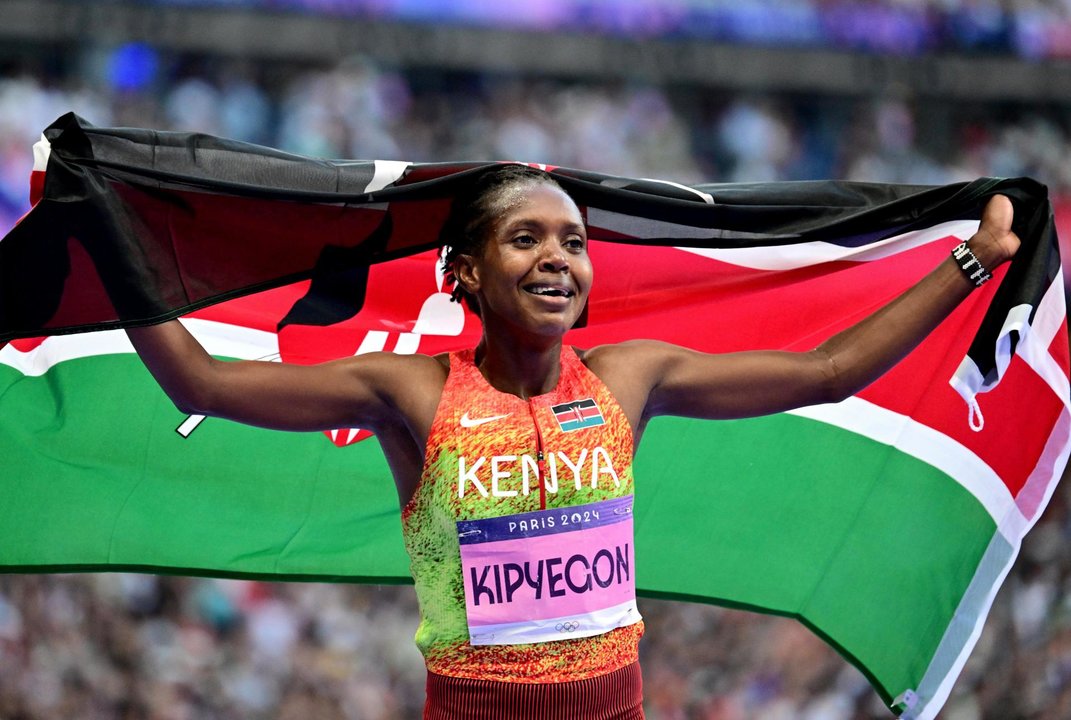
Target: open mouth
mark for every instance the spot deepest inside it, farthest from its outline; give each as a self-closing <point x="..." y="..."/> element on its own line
<point x="550" y="291"/>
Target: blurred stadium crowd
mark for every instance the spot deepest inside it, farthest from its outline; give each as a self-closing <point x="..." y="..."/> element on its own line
<point x="1028" y="28"/>
<point x="357" y="110"/>
<point x="171" y="648"/>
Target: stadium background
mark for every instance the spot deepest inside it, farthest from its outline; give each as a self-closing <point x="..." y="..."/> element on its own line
<point x="908" y="91"/>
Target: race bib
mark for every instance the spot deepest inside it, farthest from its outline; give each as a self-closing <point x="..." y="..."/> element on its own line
<point x="549" y="574"/>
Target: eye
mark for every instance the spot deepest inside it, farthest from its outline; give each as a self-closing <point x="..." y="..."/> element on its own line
<point x="524" y="240"/>
<point x="574" y="243"/>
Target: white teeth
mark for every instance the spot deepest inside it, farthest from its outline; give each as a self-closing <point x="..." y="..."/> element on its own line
<point x="550" y="291"/>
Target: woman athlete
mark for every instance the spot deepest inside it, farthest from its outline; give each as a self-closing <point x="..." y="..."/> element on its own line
<point x="521" y="616"/>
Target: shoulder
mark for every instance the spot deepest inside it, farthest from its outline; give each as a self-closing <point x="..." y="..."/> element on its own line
<point x="630" y="370"/>
<point x="643" y="365"/>
<point x="407" y="388"/>
<point x="631" y="355"/>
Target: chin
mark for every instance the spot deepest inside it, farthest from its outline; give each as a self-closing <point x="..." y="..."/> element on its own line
<point x="561" y="324"/>
<point x="545" y="324"/>
<point x="554" y="327"/>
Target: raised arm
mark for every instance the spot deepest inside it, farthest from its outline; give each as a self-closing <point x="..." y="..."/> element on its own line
<point x="368" y="391"/>
<point x="861" y="354"/>
<point x="670" y="380"/>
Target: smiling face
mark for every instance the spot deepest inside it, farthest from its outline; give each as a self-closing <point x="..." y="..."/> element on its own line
<point x="532" y="272"/>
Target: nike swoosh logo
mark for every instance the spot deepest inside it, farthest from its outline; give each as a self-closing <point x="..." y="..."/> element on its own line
<point x="467" y="422"/>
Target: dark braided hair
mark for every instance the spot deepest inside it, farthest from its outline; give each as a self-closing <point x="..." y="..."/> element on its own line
<point x="473" y="212"/>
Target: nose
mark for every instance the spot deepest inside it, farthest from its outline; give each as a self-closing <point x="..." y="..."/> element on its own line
<point x="554" y="259"/>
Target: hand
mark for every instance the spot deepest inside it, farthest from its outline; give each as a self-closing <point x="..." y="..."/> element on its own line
<point x="995" y="243"/>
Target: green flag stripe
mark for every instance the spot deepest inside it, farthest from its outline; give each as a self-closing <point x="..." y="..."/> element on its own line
<point x="854" y="414"/>
<point x="83" y="435"/>
<point x="875" y="546"/>
<point x="785" y="531"/>
<point x="931" y="447"/>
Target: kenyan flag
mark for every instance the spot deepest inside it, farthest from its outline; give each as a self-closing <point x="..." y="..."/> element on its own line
<point x="886" y="523"/>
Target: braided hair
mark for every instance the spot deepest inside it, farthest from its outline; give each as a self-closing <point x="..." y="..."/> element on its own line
<point x="475" y="209"/>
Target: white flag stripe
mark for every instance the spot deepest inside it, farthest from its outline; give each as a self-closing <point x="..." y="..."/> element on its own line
<point x="790" y="257"/>
<point x="222" y="339"/>
<point x="1036" y="492"/>
<point x="1048" y="323"/>
<point x="989" y="582"/>
<point x="60" y="348"/>
<point x="1034" y="341"/>
<point x="41" y="150"/>
<point x="704" y="196"/>
<point x="233" y="341"/>
<point x="1034" y="349"/>
<point x="997" y="562"/>
<point x="1051" y="312"/>
<point x="386" y="173"/>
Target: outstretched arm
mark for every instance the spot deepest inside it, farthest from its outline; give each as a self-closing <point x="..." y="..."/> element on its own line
<point x="685" y="382"/>
<point x="365" y="391"/>
<point x="863" y="352"/>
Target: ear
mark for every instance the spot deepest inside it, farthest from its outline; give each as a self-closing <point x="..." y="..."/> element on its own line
<point x="467" y="274"/>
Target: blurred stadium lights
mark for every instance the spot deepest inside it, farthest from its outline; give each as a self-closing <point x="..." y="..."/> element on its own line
<point x="260" y="31"/>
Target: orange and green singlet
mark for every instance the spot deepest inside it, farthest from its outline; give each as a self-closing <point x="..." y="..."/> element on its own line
<point x="520" y="531"/>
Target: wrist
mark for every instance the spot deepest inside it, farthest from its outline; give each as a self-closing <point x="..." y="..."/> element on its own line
<point x="988" y="248"/>
<point x="973" y="267"/>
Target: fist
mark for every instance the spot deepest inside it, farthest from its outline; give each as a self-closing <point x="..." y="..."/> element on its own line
<point x="995" y="243"/>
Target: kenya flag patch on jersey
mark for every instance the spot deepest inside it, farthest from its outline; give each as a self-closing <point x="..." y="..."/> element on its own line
<point x="577" y="415"/>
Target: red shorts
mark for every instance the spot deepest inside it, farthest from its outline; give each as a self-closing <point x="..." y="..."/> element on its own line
<point x="615" y="696"/>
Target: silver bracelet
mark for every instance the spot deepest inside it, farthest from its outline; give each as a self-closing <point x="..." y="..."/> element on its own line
<point x="970" y="265"/>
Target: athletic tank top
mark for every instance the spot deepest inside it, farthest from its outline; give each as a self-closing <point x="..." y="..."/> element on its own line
<point x="525" y="505"/>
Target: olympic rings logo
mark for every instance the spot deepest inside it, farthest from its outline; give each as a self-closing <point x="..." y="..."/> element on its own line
<point x="569" y="626"/>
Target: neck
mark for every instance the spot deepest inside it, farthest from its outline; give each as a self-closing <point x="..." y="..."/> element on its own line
<point x="521" y="370"/>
